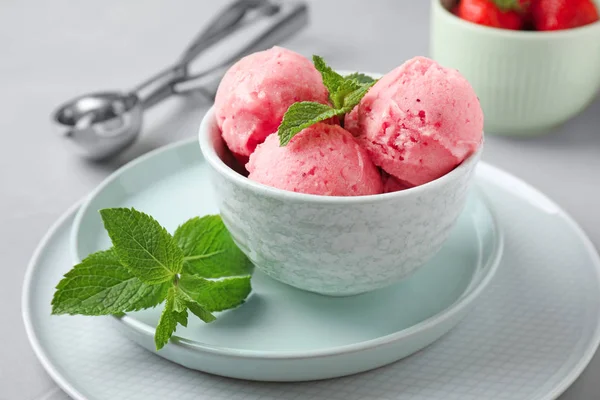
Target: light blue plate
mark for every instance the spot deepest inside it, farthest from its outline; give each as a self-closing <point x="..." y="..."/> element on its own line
<point x="281" y="333"/>
<point x="530" y="335"/>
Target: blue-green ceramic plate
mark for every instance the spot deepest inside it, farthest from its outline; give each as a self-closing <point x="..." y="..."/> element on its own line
<point x="282" y="333"/>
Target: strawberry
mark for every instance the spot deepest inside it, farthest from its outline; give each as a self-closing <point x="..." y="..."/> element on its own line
<point x="552" y="15"/>
<point x="506" y="14"/>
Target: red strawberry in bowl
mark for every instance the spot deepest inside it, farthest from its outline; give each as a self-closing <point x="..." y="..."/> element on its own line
<point x="505" y="14"/>
<point x="553" y="15"/>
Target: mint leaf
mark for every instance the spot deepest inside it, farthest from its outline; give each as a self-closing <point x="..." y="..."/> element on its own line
<point x="175" y="312"/>
<point x="216" y="295"/>
<point x="344" y="90"/>
<point x="301" y="115"/>
<point x="101" y="285"/>
<point x="200" y="312"/>
<point x="145" y="267"/>
<point x="143" y="245"/>
<point x="208" y="249"/>
<point x="331" y="79"/>
<point x="194" y="307"/>
<point x="353" y="98"/>
<point x="181" y="316"/>
<point x="338" y="86"/>
<point x="359" y="78"/>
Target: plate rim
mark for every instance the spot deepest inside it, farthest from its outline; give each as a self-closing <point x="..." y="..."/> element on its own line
<point x="110" y="178"/>
<point x="465" y="300"/>
<point x="72" y="391"/>
<point x="34" y="341"/>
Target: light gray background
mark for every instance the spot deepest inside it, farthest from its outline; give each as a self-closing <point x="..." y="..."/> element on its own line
<point x="53" y="50"/>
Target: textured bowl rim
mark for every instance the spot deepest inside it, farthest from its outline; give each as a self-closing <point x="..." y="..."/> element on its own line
<point x="211" y="156"/>
<point x="513" y="34"/>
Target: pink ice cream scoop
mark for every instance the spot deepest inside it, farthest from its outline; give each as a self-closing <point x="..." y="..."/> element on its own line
<point x="391" y="184"/>
<point x="322" y="159"/>
<point x="256" y="92"/>
<point x="418" y="122"/>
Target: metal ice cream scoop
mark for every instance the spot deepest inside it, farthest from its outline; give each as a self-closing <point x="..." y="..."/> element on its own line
<point x="103" y="124"/>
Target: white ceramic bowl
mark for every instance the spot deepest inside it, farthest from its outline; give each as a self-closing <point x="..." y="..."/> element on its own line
<point x="334" y="245"/>
<point x="527" y="82"/>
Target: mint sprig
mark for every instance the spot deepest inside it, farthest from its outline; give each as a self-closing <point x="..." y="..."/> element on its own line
<point x="174" y="313"/>
<point x="216" y="295"/>
<point x="360" y="78"/>
<point x="208" y="250"/>
<point x="143" y="246"/>
<point x="147" y="266"/>
<point x="331" y="79"/>
<point x="345" y="92"/>
<point x="302" y="115"/>
<point x="101" y="285"/>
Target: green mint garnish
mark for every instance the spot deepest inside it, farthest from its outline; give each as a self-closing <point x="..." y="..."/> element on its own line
<point x="352" y="99"/>
<point x="360" y="78"/>
<point x="345" y="92"/>
<point x="208" y="249"/>
<point x="335" y="83"/>
<point x="216" y="295"/>
<point x="101" y="285"/>
<point x="143" y="246"/>
<point x="302" y="115"/>
<point x="147" y="266"/>
<point x="175" y="312"/>
<point x="200" y="312"/>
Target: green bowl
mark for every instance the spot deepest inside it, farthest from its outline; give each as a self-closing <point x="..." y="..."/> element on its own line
<point x="528" y="82"/>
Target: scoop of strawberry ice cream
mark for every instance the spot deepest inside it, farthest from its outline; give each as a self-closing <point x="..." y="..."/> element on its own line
<point x="256" y="92"/>
<point x="321" y="159"/>
<point x="419" y="121"/>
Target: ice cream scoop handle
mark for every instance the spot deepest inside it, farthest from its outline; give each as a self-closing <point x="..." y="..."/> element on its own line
<point x="160" y="86"/>
<point x="223" y="25"/>
<point x="293" y="17"/>
<point x="290" y="22"/>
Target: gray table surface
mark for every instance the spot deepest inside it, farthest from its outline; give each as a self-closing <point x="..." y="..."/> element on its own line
<point x="54" y="50"/>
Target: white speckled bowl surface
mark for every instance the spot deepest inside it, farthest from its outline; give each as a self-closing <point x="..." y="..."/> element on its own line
<point x="335" y="246"/>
